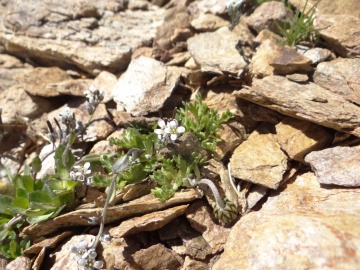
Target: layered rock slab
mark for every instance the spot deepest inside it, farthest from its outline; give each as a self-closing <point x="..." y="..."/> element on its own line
<point x="302" y="224"/>
<point x="305" y="101"/>
<point x="86" y="35"/>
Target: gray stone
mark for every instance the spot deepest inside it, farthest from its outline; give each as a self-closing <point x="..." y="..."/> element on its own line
<point x="336" y="166"/>
<point x="208" y="22"/>
<point x="147" y="93"/>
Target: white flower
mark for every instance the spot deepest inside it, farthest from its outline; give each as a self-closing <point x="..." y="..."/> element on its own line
<point x="173" y="129"/>
<point x="160" y="131"/>
<point x="81" y="173"/>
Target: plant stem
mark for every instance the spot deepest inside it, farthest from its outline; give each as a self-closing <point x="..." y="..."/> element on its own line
<point x="106" y="206"/>
<point x="214" y="190"/>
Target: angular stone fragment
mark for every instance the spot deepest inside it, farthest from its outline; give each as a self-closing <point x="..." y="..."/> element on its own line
<point x="148" y="222"/>
<point x="317" y="55"/>
<point x="336" y="166"/>
<point x="200" y="216"/>
<point x="38" y="81"/>
<point x="271" y="58"/>
<point x="147" y="93"/>
<point x="20" y="263"/>
<point x="305" y="101"/>
<point x="298" y="138"/>
<point x="268" y="15"/>
<point x="71" y="87"/>
<point x="105" y="82"/>
<point x="216" y="52"/>
<point x="341" y="33"/>
<point x="259" y="159"/>
<point x="302" y="224"/>
<point x="157" y="257"/>
<point x="208" y="22"/>
<point x="192" y="264"/>
<point x="341" y="76"/>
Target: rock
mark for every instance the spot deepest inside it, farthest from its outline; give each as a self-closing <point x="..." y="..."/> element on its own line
<point x="336" y="166"/>
<point x="341" y="76"/>
<point x="208" y="23"/>
<point x="259" y="159"/>
<point x="202" y="220"/>
<point x="178" y="59"/>
<point x="341" y="33"/>
<point x="268" y="15"/>
<point x="217" y="7"/>
<point x="38" y="81"/>
<point x="80" y="34"/>
<point x="264" y="35"/>
<point x="71" y="87"/>
<point x="297" y="77"/>
<point x="12" y="71"/>
<point x="20" y="263"/>
<point x="64" y="258"/>
<point x="190" y="263"/>
<point x="154" y="84"/>
<point x="344" y="7"/>
<point x="308" y="102"/>
<point x="216" y="52"/>
<point x="317" y="55"/>
<point x="31" y="106"/>
<point x="271" y="58"/>
<point x="148" y="222"/>
<point x="298" y="138"/>
<point x="157" y="257"/>
<point x="176" y="17"/>
<point x="302" y="224"/>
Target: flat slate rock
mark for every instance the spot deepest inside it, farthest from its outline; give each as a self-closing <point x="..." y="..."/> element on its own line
<point x="305" y="101"/>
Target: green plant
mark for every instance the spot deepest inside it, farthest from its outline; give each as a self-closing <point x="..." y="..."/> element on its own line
<point x="301" y="27"/>
<point x="197" y="118"/>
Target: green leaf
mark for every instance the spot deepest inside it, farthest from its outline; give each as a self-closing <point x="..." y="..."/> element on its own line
<point x="28" y="182"/>
<point x="5" y="202"/>
<point x="62" y="184"/>
<point x="36" y="164"/>
<point x="37" y="219"/>
<point x="4" y="230"/>
<point x="27" y="170"/>
<point x="18" y="182"/>
<point x="20" y="202"/>
<point x="40" y="197"/>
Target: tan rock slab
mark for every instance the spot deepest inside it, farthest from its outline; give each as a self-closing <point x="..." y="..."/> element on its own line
<point x="105" y="82"/>
<point x="143" y="205"/>
<point x="259" y="159"/>
<point x="202" y="220"/>
<point x="71" y="87"/>
<point x="154" y="85"/>
<point x="208" y="22"/>
<point x="271" y="58"/>
<point x="20" y="263"/>
<point x="298" y="138"/>
<point x="190" y="263"/>
<point x="157" y="257"/>
<point x="341" y="76"/>
<point x="216" y="52"/>
<point x="268" y="15"/>
<point x="341" y="33"/>
<point x="300" y="225"/>
<point x="308" y="102"/>
<point x="336" y="166"/>
<point x="148" y="222"/>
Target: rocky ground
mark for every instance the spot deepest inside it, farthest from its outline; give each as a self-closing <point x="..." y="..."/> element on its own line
<point x="293" y="146"/>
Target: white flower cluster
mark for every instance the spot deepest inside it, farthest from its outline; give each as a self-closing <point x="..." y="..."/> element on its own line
<point x="170" y="130"/>
<point x="81" y="174"/>
<point x="67" y="117"/>
<point x="85" y="256"/>
<point x="94" y="96"/>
